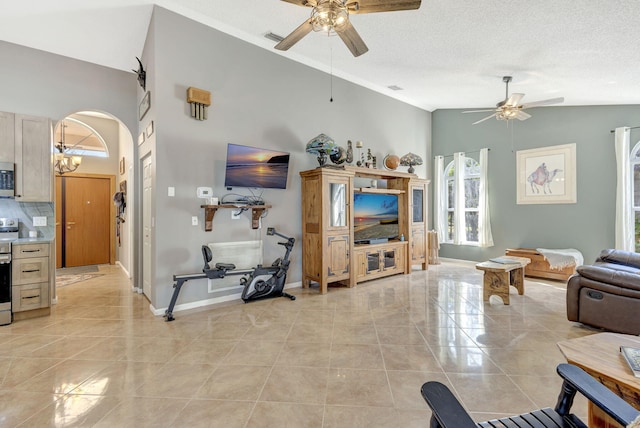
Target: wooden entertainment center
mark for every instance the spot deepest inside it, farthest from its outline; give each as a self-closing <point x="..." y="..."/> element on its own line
<point x="329" y="254"/>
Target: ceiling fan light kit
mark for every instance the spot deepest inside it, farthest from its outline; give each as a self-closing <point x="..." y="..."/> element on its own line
<point x="510" y="108"/>
<point x="332" y="17"/>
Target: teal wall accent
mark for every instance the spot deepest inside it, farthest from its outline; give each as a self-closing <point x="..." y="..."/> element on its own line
<point x="587" y="225"/>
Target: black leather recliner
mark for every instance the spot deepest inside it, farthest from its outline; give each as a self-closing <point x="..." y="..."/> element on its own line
<point x="606" y="294"/>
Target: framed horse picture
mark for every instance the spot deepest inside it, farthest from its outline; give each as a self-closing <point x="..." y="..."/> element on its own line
<point x="546" y="175"/>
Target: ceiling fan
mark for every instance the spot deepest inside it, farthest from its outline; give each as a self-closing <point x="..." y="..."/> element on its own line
<point x="332" y="16"/>
<point x="510" y="108"/>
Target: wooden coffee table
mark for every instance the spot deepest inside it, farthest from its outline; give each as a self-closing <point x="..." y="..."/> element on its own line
<point x="599" y="355"/>
<point x="499" y="276"/>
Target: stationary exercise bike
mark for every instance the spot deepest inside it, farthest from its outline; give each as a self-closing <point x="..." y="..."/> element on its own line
<point x="259" y="283"/>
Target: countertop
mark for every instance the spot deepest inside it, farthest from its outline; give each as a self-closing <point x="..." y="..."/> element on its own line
<point x="32" y="240"/>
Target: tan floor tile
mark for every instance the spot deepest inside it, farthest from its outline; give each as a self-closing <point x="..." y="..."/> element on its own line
<point x="20" y="369"/>
<point x="308" y="332"/>
<point x="66" y="347"/>
<point x="18" y="406"/>
<point x="254" y="352"/>
<point x="215" y="413"/>
<point x="25" y="345"/>
<point x="120" y="378"/>
<point x="409" y="357"/>
<point x="356" y="356"/>
<point x="175" y="380"/>
<point x="305" y="354"/>
<point x="464" y="360"/>
<point x="352" y="357"/>
<point x="293" y="415"/>
<point x="400" y="335"/>
<point x="351" y="387"/>
<point x="235" y="383"/>
<point x="204" y="351"/>
<point x="143" y="412"/>
<point x="296" y="385"/>
<point x="361" y="417"/>
<point x="74" y="411"/>
<point x="64" y="377"/>
<point x="413" y="418"/>
<point x="357" y="333"/>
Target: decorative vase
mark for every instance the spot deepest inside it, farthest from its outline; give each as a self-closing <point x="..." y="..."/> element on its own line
<point x="349" y="159"/>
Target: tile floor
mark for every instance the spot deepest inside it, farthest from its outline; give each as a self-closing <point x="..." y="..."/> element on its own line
<point x="351" y="358"/>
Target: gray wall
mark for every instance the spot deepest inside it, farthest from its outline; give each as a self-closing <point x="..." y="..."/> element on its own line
<point x="587" y="225"/>
<point x="43" y="84"/>
<point x="260" y="99"/>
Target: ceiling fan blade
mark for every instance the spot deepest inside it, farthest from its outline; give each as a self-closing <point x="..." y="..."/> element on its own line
<point x="352" y="39"/>
<point x="309" y="3"/>
<point x="522" y="115"/>
<point x="372" y="6"/>
<point x="478" y="111"/>
<point x="514" y="100"/>
<point x="486" y="118"/>
<point x="295" y="36"/>
<point x="544" y="102"/>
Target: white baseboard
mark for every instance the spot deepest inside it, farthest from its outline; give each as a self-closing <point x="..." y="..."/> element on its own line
<point x="123" y="269"/>
<point x="213" y="301"/>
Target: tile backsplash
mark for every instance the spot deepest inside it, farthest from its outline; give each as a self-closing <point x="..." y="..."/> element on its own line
<point x="25" y="211"/>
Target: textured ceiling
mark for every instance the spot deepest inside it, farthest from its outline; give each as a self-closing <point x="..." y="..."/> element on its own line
<point x="447" y="54"/>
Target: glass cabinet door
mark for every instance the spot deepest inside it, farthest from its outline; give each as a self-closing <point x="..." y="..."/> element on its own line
<point x="418" y="205"/>
<point x="373" y="262"/>
<point x="338" y="202"/>
<point x="389" y="259"/>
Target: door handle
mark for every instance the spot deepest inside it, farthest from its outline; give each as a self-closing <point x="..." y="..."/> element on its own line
<point x="71" y="222"/>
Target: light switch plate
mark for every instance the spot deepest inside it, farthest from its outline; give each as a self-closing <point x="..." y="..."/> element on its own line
<point x="194" y="220"/>
<point x="171" y="191"/>
<point x="39" y="221"/>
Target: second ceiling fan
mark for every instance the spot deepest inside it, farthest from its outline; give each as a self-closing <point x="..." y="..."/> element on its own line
<point x="333" y="16"/>
<point x="510" y="108"/>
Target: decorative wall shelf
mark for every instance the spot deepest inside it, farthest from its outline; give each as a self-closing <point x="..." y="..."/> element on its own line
<point x="210" y="211"/>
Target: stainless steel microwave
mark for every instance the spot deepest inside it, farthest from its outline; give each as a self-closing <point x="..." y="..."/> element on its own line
<point x="7" y="182"/>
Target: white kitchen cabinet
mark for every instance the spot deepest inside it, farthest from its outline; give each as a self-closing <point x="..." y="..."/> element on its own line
<point x="26" y="141"/>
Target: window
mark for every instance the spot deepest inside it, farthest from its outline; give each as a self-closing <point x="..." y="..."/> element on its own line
<point x="471" y="201"/>
<point x="635" y="180"/>
<point x="80" y="138"/>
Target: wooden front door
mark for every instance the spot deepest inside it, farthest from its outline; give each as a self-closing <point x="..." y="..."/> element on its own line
<point x="87" y="211"/>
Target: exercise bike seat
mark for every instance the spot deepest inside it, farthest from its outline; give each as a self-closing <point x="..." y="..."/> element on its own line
<point x="225" y="266"/>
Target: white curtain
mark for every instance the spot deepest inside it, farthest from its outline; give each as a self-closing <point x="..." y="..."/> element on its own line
<point x="439" y="217"/>
<point x="459" y="232"/>
<point x="624" y="199"/>
<point x="485" y="238"/>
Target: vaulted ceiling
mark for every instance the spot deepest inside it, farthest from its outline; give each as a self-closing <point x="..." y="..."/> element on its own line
<point x="447" y="54"/>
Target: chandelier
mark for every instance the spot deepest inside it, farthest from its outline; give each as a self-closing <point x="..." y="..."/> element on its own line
<point x="64" y="161"/>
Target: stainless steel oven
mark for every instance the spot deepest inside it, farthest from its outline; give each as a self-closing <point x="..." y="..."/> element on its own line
<point x="8" y="233"/>
<point x="7" y="182"/>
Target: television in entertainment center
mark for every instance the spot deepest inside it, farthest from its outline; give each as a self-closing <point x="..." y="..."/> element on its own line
<point x="375" y="217"/>
<point x="256" y="167"/>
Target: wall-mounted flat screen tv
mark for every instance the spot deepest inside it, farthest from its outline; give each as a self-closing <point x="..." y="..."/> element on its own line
<point x="255" y="167"/>
<point x="375" y="217"/>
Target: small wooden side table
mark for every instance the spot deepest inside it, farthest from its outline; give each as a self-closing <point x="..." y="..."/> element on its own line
<point x="599" y="355"/>
<point x="498" y="277"/>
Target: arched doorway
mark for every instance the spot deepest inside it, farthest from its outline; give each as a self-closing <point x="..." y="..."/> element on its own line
<point x="106" y="149"/>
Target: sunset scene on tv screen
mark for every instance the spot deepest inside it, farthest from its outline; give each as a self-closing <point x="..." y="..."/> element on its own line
<point x="255" y="167"/>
